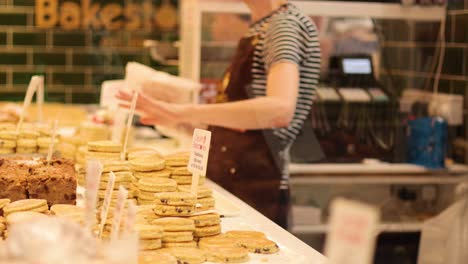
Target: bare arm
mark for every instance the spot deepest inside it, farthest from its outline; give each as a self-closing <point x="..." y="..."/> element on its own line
<point x="276" y="109"/>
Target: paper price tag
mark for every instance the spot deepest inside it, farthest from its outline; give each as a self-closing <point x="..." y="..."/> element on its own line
<point x="199" y="156"/>
<point x="118" y="211"/>
<point x="34" y="84"/>
<point x="351" y="239"/>
<point x="200" y="150"/>
<point x="40" y="99"/>
<point x="119" y="125"/>
<point x="51" y="146"/>
<point x="129" y="124"/>
<point x="106" y="203"/>
<point x="131" y="218"/>
<point x="93" y="176"/>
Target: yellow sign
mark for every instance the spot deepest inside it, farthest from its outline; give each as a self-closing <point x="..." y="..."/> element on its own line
<point x="71" y="15"/>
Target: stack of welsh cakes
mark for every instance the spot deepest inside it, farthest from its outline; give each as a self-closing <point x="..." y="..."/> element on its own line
<point x="27" y="142"/>
<point x="103" y="150"/>
<point x="7" y="142"/>
<point x="123" y="177"/>
<point x="205" y="199"/>
<point x="177" y="163"/>
<point x="150" y="177"/>
<point x="43" y="143"/>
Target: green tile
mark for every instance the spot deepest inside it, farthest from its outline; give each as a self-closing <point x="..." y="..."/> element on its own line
<point x="15" y="58"/>
<point x="23" y="2"/>
<point x="97" y="79"/>
<point x="85" y="98"/>
<point x="49" y="58"/>
<point x="123" y="59"/>
<point x="174" y="70"/>
<point x="13" y="19"/>
<point x="13" y="97"/>
<point x="68" y="78"/>
<point x="3" y="38"/>
<point x="461" y="30"/>
<point x="458" y="87"/>
<point x="56" y="97"/>
<point x="456" y="4"/>
<point x="69" y="39"/>
<point x="29" y="38"/>
<point x="3" y="78"/>
<point x="24" y="77"/>
<point x="90" y="59"/>
<point x="453" y="62"/>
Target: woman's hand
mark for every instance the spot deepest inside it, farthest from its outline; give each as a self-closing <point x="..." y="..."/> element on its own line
<point x="154" y="112"/>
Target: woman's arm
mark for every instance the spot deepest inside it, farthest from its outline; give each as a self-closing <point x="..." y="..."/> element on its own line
<point x="276" y="109"/>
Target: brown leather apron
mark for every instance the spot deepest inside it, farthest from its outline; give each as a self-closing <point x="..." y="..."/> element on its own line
<point x="253" y="164"/>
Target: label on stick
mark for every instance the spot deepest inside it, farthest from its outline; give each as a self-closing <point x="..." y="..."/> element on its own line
<point x="199" y="156"/>
<point x="200" y="150"/>
<point x="93" y="176"/>
<point x="118" y="212"/>
<point x="129" y="124"/>
<point x="107" y="201"/>
<point x="351" y="239"/>
<point x="50" y="151"/>
<point x="131" y="218"/>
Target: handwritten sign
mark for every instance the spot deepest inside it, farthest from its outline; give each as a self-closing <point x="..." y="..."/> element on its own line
<point x="351" y="239"/>
<point x="118" y="212"/>
<point x="200" y="149"/>
<point x="199" y="157"/>
<point x="93" y="176"/>
<point x="107" y="201"/>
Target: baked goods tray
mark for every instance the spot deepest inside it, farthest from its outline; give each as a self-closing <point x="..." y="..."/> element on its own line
<point x="240" y="216"/>
<point x="292" y="250"/>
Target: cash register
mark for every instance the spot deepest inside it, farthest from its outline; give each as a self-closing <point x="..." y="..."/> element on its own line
<point x="350" y="87"/>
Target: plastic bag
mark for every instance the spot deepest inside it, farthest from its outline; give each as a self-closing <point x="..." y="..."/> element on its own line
<point x="444" y="238"/>
<point x="50" y="240"/>
<point x="53" y="240"/>
<point x="164" y="87"/>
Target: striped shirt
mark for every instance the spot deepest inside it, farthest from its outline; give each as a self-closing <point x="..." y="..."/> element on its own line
<point x="287" y="35"/>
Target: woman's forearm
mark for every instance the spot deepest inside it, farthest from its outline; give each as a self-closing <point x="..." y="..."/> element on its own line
<point x="258" y="113"/>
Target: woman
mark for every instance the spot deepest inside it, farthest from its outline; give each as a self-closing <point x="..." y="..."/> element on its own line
<point x="267" y="95"/>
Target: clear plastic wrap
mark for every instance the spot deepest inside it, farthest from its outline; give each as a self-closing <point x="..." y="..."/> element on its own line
<point x="50" y="240"/>
<point x="444" y="238"/>
<point x="54" y="240"/>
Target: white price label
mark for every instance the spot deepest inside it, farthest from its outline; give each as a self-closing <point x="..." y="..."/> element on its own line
<point x="107" y="201"/>
<point x="199" y="157"/>
<point x="118" y="212"/>
<point x="351" y="239"/>
<point x="200" y="150"/>
<point x="131" y="218"/>
<point x="93" y="176"/>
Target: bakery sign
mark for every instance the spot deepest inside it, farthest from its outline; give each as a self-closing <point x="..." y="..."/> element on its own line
<point x="71" y="15"/>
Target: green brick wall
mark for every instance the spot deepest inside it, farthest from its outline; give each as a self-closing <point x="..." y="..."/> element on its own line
<point x="409" y="48"/>
<point x="74" y="62"/>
